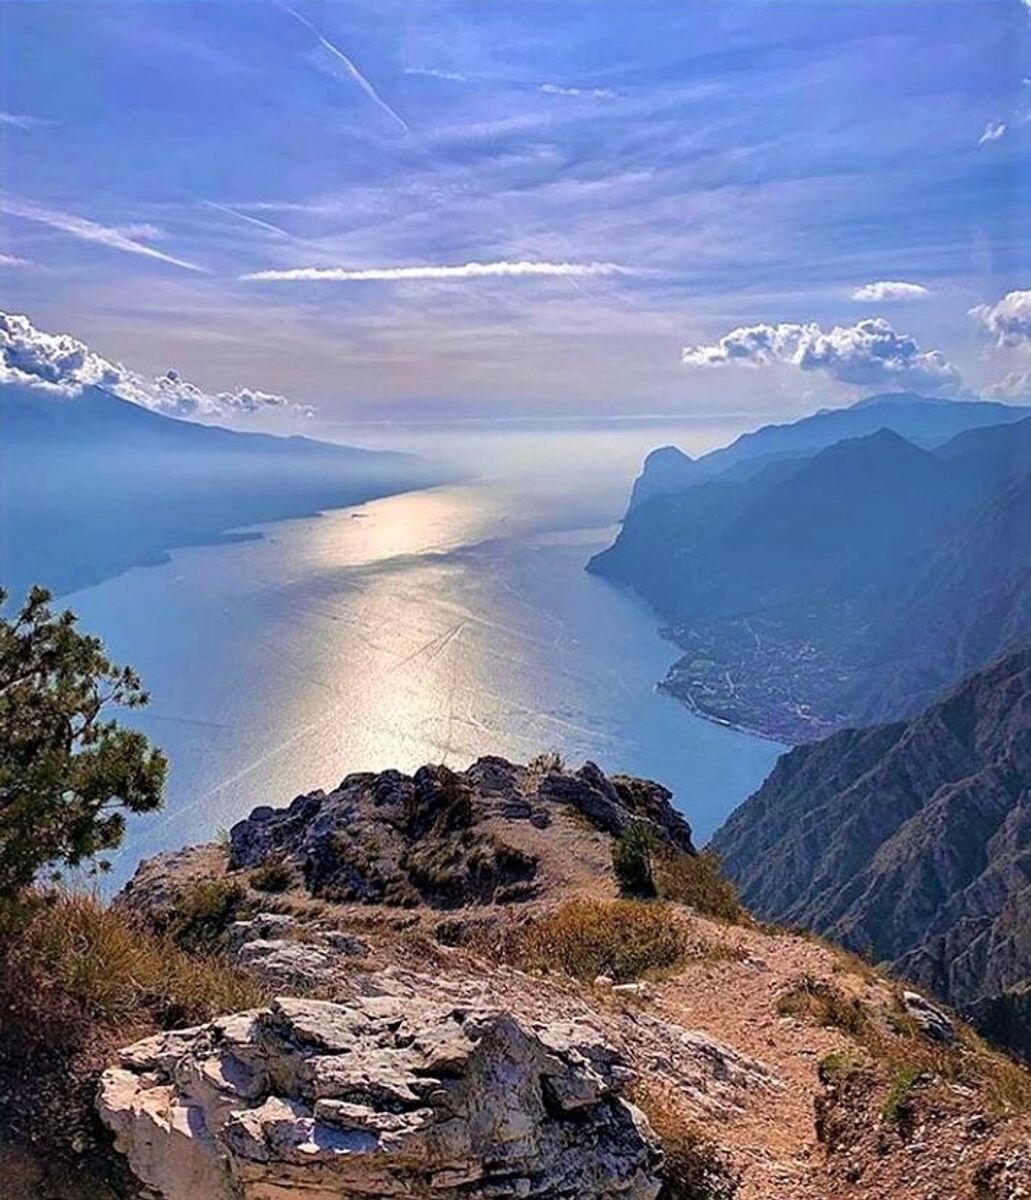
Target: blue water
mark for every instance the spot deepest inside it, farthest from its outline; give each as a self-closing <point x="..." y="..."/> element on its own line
<point x="435" y="626"/>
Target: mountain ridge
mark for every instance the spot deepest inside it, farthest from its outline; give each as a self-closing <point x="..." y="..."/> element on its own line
<point x="838" y="587"/>
<point x="910" y="842"/>
<point x="94" y="484"/>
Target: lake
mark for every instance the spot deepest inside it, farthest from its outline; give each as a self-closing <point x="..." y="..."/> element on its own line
<point x="429" y="627"/>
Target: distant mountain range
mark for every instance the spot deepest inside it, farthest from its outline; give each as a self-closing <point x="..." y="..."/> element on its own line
<point x="810" y="589"/>
<point x="923" y="420"/>
<point x="911" y="843"/>
<point x="93" y="484"/>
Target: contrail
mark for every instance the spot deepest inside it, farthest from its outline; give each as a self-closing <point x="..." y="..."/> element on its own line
<point x="86" y="230"/>
<point x="472" y="270"/>
<point x="349" y="66"/>
<point x="242" y="216"/>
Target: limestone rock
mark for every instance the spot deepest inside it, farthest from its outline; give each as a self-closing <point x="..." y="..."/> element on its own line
<point x="382" y="1096"/>
<point x="932" y="1021"/>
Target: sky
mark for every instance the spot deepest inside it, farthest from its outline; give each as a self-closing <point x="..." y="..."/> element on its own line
<point x="386" y="210"/>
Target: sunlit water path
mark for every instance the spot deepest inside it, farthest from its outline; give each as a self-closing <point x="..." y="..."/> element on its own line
<point x="431" y="627"/>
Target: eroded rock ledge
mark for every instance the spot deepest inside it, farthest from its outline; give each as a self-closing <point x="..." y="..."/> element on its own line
<point x="381" y="1096"/>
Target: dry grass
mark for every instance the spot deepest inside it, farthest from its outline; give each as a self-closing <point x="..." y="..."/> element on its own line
<point x="625" y="939"/>
<point x="904" y="1056"/>
<point x="695" y="1168"/>
<point x="72" y="956"/>
<point x="697" y="880"/>
<point x="77" y="981"/>
<point x="822" y="1004"/>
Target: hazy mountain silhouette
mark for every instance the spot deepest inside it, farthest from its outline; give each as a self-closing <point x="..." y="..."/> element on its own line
<point x="94" y="484"/>
<point x="923" y="420"/>
<point x="852" y="584"/>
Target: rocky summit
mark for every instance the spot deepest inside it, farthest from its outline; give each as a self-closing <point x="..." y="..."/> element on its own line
<point x="458" y="1001"/>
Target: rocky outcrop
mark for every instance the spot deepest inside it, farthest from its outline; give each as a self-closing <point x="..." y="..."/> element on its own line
<point x="445" y="838"/>
<point x="383" y="1096"/>
<point x="908" y="842"/>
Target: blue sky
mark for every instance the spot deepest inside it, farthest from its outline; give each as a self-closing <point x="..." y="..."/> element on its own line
<point x="673" y="172"/>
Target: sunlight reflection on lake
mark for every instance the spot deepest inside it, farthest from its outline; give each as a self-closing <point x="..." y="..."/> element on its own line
<point x="435" y="626"/>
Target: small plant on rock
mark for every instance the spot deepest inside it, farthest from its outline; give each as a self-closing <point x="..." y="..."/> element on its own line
<point x="634" y="854"/>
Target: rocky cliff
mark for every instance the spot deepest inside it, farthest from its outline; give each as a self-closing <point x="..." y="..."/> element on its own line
<point x="825" y="586"/>
<point x="910" y="843"/>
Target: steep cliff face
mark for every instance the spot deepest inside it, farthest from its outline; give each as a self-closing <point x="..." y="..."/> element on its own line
<point x="908" y="842"/>
<point x="819" y="588"/>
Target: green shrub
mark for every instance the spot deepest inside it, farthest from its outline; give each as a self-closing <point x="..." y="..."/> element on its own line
<point x="633" y="858"/>
<point x="276" y="875"/>
<point x="897" y="1104"/>
<point x="205" y="910"/>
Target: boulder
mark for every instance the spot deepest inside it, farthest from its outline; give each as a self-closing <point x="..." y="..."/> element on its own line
<point x="382" y="1096"/>
<point x="932" y="1022"/>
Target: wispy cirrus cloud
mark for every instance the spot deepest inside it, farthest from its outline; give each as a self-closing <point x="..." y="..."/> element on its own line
<point x="993" y="131"/>
<point x="229" y="211"/>
<point x="87" y="231"/>
<point x="434" y="73"/>
<point x="349" y="67"/>
<point x="883" y="290"/>
<point x="557" y="89"/>
<point x="470" y="270"/>
<point x="12" y="260"/>
<point x="22" y="121"/>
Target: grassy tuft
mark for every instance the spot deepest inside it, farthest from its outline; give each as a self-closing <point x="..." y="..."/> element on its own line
<point x="74" y="960"/>
<point x="697" y="880"/>
<point x="694" y="1167"/>
<point x="822" y="1004"/>
<point x="547" y="763"/>
<point x="77" y="981"/>
<point x="276" y="875"/>
<point x="625" y="939"/>
<point x="205" y="910"/>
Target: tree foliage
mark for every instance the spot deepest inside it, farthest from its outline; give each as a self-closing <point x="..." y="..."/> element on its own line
<point x="68" y="770"/>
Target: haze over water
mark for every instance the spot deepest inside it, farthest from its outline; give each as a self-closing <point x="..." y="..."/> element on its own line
<point x="430" y="627"/>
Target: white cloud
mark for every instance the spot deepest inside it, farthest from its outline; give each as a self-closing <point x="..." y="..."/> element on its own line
<point x="87" y="231"/>
<point x="12" y="260"/>
<point x="992" y="132"/>
<point x="62" y="366"/>
<point x="1014" y="386"/>
<point x="886" y="290"/>
<point x="555" y="89"/>
<point x="472" y="270"/>
<point x="1009" y="320"/>
<point x="867" y="354"/>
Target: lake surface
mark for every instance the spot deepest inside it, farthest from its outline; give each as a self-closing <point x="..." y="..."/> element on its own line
<point x="430" y="627"/>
